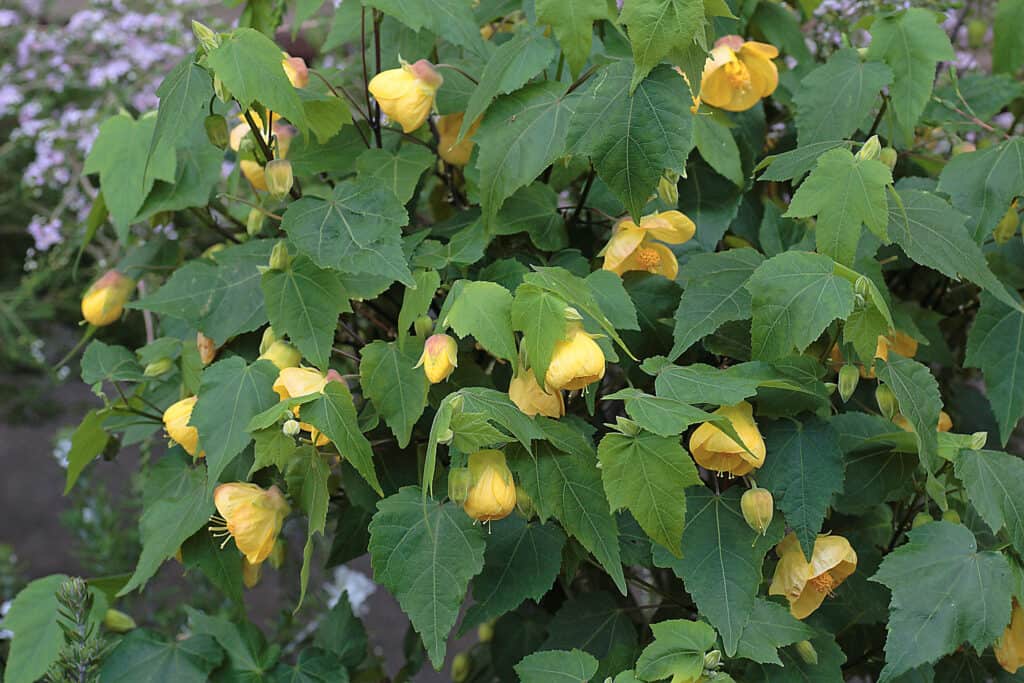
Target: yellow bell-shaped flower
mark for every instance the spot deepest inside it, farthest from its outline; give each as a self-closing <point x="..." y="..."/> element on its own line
<point x="104" y="301"/>
<point x="440" y="357"/>
<point x="944" y="424"/>
<point x="1009" y="648"/>
<point x="176" y="424"/>
<point x="805" y="584"/>
<point x="252" y="169"/>
<point x="406" y="94"/>
<point x="713" y="449"/>
<point x="295" y="69"/>
<point x="251" y="515"/>
<point x="297" y="381"/>
<point x="526" y="393"/>
<point x="738" y="74"/>
<point x="451" y="150"/>
<point x="492" y="492"/>
<point x="576" y="363"/>
<point x="639" y="247"/>
<point x="282" y="354"/>
<point x="207" y="348"/>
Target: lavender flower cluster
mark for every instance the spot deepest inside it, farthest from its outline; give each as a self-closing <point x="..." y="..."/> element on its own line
<point x="68" y="75"/>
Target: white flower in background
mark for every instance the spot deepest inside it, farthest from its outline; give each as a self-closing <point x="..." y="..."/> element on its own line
<point x="358" y="586"/>
<point x="61" y="449"/>
<point x="4" y="633"/>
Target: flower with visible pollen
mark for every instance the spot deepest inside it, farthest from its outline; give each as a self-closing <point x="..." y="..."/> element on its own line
<point x="639" y="246"/>
<point x="297" y="381"/>
<point x="805" y="584"/>
<point x="104" y="302"/>
<point x="576" y="362"/>
<point x="251" y="515"/>
<point x="738" y="74"/>
<point x="295" y="69"/>
<point x="406" y="94"/>
<point x="1009" y="648"/>
<point x="176" y="425"/>
<point x="440" y="357"/>
<point x="252" y="169"/>
<point x="492" y="491"/>
<point x="713" y="449"/>
<point x="449" y="147"/>
<point x="526" y="393"/>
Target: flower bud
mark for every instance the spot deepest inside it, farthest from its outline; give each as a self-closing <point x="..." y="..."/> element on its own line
<point x="296" y="70"/>
<point x="221" y="90"/>
<point x="492" y="492"/>
<point x="449" y="148"/>
<point x="849" y="376"/>
<point x="758" y="508"/>
<point x="976" y="31"/>
<point x="889" y="157"/>
<point x="217" y="130"/>
<point x="104" y="302"/>
<point x="279" y="257"/>
<point x="524" y="504"/>
<point x="439" y="358"/>
<point x="978" y="440"/>
<point x="423" y="326"/>
<point x="251" y="573"/>
<point x="886" y="401"/>
<point x="964" y="148"/>
<point x="951" y="515"/>
<point x="291" y="427"/>
<point x="176" y="424"/>
<point x="207" y="348"/>
<point x="870" y="149"/>
<point x="920" y="519"/>
<point x="279" y="179"/>
<point x="268" y="338"/>
<point x="713" y="659"/>
<point x="158" y="367"/>
<point x="406" y="94"/>
<point x="576" y="362"/>
<point x="1007" y="226"/>
<point x="117" y="621"/>
<point x="207" y="37"/>
<point x="668" y="188"/>
<point x="254" y="222"/>
<point x="807" y="652"/>
<point x="462" y="666"/>
<point x="531" y="400"/>
<point x="485" y="632"/>
<point x="459" y="481"/>
<point x="283" y="355"/>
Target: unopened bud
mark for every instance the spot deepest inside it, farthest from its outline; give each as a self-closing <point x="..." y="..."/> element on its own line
<point x="282" y="354"/>
<point x="279" y="178"/>
<point x="736" y="242"/>
<point x="849" y="376"/>
<point x="423" y="326"/>
<point x="978" y="440"/>
<point x="221" y="90"/>
<point x="976" y="31"/>
<point x="279" y="258"/>
<point x="830" y="387"/>
<point x="251" y="573"/>
<point x="1007" y="226"/>
<point x="713" y="659"/>
<point x="485" y="632"/>
<point x="291" y="427"/>
<point x="254" y="222"/>
<point x="524" y="504"/>
<point x="158" y="367"/>
<point x="572" y="315"/>
<point x="920" y="519"/>
<point x="807" y="652"/>
<point x="886" y="401"/>
<point x="104" y="302"/>
<point x="964" y="148"/>
<point x="889" y="157"/>
<point x="462" y="666"/>
<point x="758" y="507"/>
<point x="951" y="515"/>
<point x="217" y="130"/>
<point x="207" y="348"/>
<point x="276" y="558"/>
<point x="668" y="188"/>
<point x="267" y="340"/>
<point x="207" y="37"/>
<point x="117" y="621"/>
<point x="870" y="150"/>
<point x="459" y="482"/>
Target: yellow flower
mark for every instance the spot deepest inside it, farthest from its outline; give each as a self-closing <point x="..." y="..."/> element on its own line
<point x="633" y="247"/>
<point x="296" y="381"/>
<point x="176" y="424"/>
<point x="738" y="74"/>
<point x="207" y="348"/>
<point x="282" y="354"/>
<point x="251" y="515"/>
<point x="295" y="69"/>
<point x="104" y="302"/>
<point x="492" y="494"/>
<point x="526" y="393"/>
<point x="439" y="358"/>
<point x="455" y="153"/>
<point x="805" y="584"/>
<point x="1009" y="648"/>
<point x="251" y="572"/>
<point x="715" y="450"/>
<point x="944" y="424"/>
<point x="406" y="94"/>
<point x="576" y="363"/>
<point x="251" y="169"/>
<point x="900" y="342"/>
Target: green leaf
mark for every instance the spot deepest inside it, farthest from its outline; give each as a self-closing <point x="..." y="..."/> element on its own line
<point x="540" y="316"/>
<point x="828" y="669"/>
<point x="795" y="296"/>
<point x="307" y="483"/>
<point x="249" y="65"/>
<point x="222" y="566"/>
<point x="702" y="384"/>
<point x="511" y="66"/>
<point x="919" y="401"/>
<point x="521" y="562"/>
<point x="715" y="294"/>
<point x="145" y="657"/>
<point x="1008" y="48"/>
<point x="87" y="442"/>
<point x="357" y="230"/>
<point x="175" y="504"/>
<point x="272" y="447"/>
<point x="595" y="623"/>
<point x="304" y="302"/>
<point x="944" y="592"/>
<point x="648" y="474"/>
<point x="397" y="388"/>
<point x="659" y="27"/>
<point x="472" y="431"/>
<point x="662" y="415"/>
<point x="197" y="171"/>
<point x="711" y="201"/>
<point x="399" y="172"/>
<point x="718" y="147"/>
<point x="483" y="309"/>
<point x="933" y="233"/>
<point x="803" y="473"/>
<point x="567" y="486"/>
<point x="796" y="162"/>
<point x="835" y="99"/>
<point x="313" y="665"/>
<point x="612" y="298"/>
<point x="573" y="24"/>
<point x="105" y="362"/>
<point x="417" y="299"/>
<point x="184" y="97"/>
<point x="38" y="637"/>
<point x="521" y="135"/>
<point x="633" y="139"/>
<point x="995" y="345"/>
<point x="995" y="484"/>
<point x="912" y="44"/>
<point x="241" y="640"/>
<point x="334" y="414"/>
<point x="844" y="192"/>
<point x="325" y="112"/>
<point x="231" y="394"/>
<point x="425" y="554"/>
<point x="501" y="410"/>
<point x="982" y="184"/>
<point x="451" y="19"/>
<point x="127" y="171"/>
<point x="342" y="634"/>
<point x="678" y="650"/>
<point x="771" y="626"/>
<point x="721" y="567"/>
<point x="875" y="473"/>
<point x="534" y="210"/>
<point x="557" y="666"/>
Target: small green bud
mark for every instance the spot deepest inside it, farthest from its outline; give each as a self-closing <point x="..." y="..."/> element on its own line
<point x="524" y="504"/>
<point x="462" y="666"/>
<point x="951" y="515"/>
<point x="978" y="440"/>
<point x="267" y="340"/>
<point x="849" y="376"/>
<point x="208" y="38"/>
<point x="459" y="483"/>
<point x="976" y="31"/>
<point x="221" y="90"/>
<point x="964" y="147"/>
<point x="830" y="387"/>
<point x="158" y="367"/>
<point x="217" y="130"/>
<point x="424" y="325"/>
<point x="870" y="150"/>
<point x="254" y="222"/>
<point x="291" y="427"/>
<point x="668" y="188"/>
<point x="758" y="507"/>
<point x="889" y="157"/>
<point x="117" y="621"/>
<point x="920" y="519"/>
<point x="886" y="401"/>
<point x="279" y="178"/>
<point x="485" y="632"/>
<point x="572" y="315"/>
<point x="1007" y="226"/>
<point x="807" y="652"/>
<point x="713" y="659"/>
<point x="279" y="258"/>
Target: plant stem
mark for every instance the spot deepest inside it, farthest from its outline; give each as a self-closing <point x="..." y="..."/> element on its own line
<point x="583" y="197"/>
<point x="377" y="17"/>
